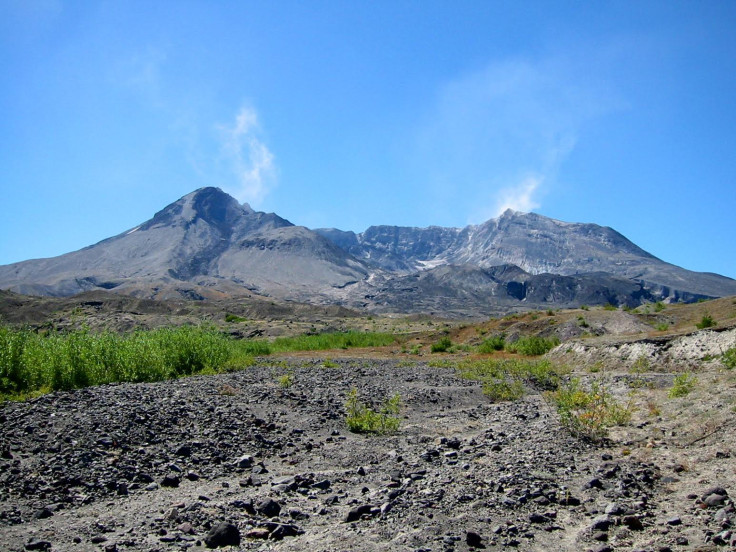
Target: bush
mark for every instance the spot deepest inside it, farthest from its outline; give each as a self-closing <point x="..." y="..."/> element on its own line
<point x="230" y="317"/>
<point x="442" y="345"/>
<point x="532" y="345"/>
<point x="705" y="322"/>
<point x="682" y="385"/>
<point x="361" y="419"/>
<point x="495" y="343"/>
<point x="729" y="358"/>
<point x="591" y="413"/>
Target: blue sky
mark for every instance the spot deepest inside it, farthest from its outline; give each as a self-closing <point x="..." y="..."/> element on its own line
<point x="352" y="113"/>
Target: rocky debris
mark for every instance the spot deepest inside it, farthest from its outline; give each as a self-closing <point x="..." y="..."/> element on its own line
<point x="223" y="534"/>
<point x="160" y="466"/>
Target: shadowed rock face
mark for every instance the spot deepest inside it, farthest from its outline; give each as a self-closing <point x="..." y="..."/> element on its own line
<point x="216" y="245"/>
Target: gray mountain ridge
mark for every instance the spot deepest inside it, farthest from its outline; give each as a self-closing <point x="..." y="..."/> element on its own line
<point x="207" y="245"/>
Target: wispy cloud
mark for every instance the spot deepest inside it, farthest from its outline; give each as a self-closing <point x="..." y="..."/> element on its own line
<point x="498" y="136"/>
<point x="519" y="198"/>
<point x="251" y="162"/>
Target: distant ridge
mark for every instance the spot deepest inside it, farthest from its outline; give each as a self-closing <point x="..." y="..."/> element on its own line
<point x="207" y="245"/>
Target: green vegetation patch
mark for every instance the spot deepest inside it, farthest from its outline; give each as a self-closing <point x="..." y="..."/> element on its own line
<point x="495" y="343"/>
<point x="326" y="341"/>
<point x="441" y="346"/>
<point x="31" y="362"/>
<point x="362" y="419"/>
<point x="532" y="345"/>
<point x="682" y="385"/>
<point x="590" y="412"/>
<point x="729" y="358"/>
<point x="504" y="380"/>
<point x="705" y="322"/>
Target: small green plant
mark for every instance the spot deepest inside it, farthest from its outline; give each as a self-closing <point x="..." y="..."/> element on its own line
<point x="626" y="308"/>
<point x="589" y="413"/>
<point x="550" y="312"/>
<point x="362" y="419"/>
<point x="329" y="363"/>
<point x="442" y="345"/>
<point x="287" y="380"/>
<point x="728" y="359"/>
<point x="658" y="306"/>
<point x="662" y="327"/>
<point x="610" y="307"/>
<point x="705" y="322"/>
<point x="495" y="343"/>
<point x="585" y="307"/>
<point x="582" y="322"/>
<point x="682" y="385"/>
<point x="640" y="365"/>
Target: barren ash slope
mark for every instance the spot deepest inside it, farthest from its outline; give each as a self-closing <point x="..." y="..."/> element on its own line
<point x="207" y="245"/>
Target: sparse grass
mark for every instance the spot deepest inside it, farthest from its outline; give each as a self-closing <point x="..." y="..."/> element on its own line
<point x="705" y="322"/>
<point x="610" y="307"/>
<point x="589" y="413"/>
<point x="658" y="306"/>
<point x="582" y="322"/>
<point x="532" y="345"/>
<point x="662" y="327"/>
<point x="362" y="419"/>
<point x="682" y="385"/>
<point x="329" y="363"/>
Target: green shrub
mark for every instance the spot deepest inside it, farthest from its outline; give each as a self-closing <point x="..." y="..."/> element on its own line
<point x="610" y="307"/>
<point x="729" y="358"/>
<point x="658" y="306"/>
<point x="590" y="413"/>
<point x="500" y="390"/>
<point x="495" y="343"/>
<point x="662" y="327"/>
<point x="287" y="380"/>
<point x="362" y="419"/>
<point x="705" y="322"/>
<point x="532" y="345"/>
<point x="442" y="345"/>
<point x="682" y="385"/>
<point x="230" y="317"/>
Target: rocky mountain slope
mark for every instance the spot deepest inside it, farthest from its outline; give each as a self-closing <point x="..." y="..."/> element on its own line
<point x="208" y="246"/>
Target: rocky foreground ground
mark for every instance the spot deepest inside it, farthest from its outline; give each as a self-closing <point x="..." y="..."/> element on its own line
<point x="238" y="459"/>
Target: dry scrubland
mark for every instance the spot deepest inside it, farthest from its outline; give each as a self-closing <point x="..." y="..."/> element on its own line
<point x="587" y="429"/>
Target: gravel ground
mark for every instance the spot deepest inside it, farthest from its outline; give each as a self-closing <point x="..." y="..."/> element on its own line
<point x="236" y="459"/>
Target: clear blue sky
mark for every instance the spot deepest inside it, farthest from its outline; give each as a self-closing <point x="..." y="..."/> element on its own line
<point x="352" y="113"/>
